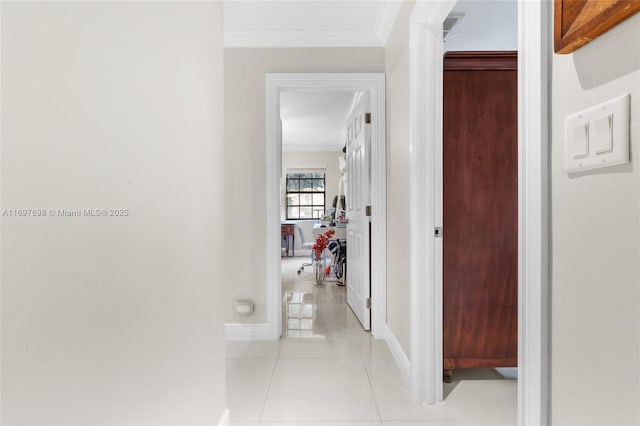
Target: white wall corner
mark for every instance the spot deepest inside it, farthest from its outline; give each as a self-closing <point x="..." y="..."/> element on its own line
<point x="401" y="358"/>
<point x="225" y="420"/>
<point x="239" y="331"/>
<point x="386" y="18"/>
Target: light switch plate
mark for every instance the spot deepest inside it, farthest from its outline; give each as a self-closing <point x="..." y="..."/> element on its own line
<point x="598" y="137"/>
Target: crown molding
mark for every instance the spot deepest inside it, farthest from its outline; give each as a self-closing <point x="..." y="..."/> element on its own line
<point x="301" y="38"/>
<point x="374" y="37"/>
<point x="386" y="18"/>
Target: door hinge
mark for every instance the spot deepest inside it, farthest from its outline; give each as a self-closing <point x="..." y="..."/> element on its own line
<point x="437" y="232"/>
<point x="368" y="303"/>
<point x="367" y="118"/>
<point x="367" y="211"/>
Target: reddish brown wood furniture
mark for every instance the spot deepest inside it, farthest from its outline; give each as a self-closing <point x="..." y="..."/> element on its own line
<point x="287" y="231"/>
<point x="577" y="22"/>
<point x="480" y="210"/>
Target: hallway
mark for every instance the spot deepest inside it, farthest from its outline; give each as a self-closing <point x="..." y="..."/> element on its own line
<point x="338" y="375"/>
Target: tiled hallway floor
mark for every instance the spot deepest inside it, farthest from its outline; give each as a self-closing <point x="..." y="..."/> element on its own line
<point x="333" y="373"/>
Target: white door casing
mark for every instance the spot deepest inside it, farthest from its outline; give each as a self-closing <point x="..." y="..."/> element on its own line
<point x="358" y="184"/>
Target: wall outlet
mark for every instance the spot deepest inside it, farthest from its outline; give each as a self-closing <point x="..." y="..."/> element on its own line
<point x="243" y="308"/>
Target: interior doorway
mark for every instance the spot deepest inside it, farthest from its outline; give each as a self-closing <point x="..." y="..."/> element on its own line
<point x="313" y="202"/>
<point x="370" y="87"/>
<point x="427" y="52"/>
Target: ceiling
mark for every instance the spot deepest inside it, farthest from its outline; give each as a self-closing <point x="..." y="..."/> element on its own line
<point x="485" y="25"/>
<point x="314" y="121"/>
<point x="308" y="23"/>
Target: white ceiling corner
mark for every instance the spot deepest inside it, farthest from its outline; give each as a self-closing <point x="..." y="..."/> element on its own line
<point x="309" y="23"/>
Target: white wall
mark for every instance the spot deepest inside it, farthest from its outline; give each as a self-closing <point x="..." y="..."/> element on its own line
<point x="245" y="156"/>
<point x="397" y="69"/>
<point x="596" y="246"/>
<point x="327" y="160"/>
<point x="112" y="320"/>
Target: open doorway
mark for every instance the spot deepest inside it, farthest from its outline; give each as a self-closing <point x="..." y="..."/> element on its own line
<point x="372" y="87"/>
<point x="312" y="203"/>
<point x="326" y="140"/>
<point x="480" y="198"/>
<point x="365" y="91"/>
<point x="428" y="27"/>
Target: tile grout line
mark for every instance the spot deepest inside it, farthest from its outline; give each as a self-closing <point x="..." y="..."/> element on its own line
<point x="273" y="372"/>
<point x="375" y="400"/>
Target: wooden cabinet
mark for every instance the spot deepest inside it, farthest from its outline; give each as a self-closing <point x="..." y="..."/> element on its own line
<point x="480" y="210"/>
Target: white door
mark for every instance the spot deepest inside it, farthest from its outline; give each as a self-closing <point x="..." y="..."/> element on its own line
<point x="358" y="196"/>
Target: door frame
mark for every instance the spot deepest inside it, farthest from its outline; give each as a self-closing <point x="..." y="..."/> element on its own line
<point x="374" y="85"/>
<point x="426" y="80"/>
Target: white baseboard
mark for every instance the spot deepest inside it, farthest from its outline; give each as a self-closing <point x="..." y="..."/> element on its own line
<point x="398" y="354"/>
<point x="239" y="331"/>
<point x="225" y="420"/>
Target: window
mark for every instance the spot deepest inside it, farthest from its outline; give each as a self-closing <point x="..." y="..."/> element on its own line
<point x="305" y="195"/>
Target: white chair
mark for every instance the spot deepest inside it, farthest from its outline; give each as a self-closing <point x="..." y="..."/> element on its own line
<point x="305" y="246"/>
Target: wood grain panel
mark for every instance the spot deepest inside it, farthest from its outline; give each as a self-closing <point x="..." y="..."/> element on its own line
<point x="481" y="60"/>
<point x="577" y="22"/>
<point x="480" y="243"/>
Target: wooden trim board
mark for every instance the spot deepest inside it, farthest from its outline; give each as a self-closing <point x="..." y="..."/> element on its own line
<point x="577" y="22"/>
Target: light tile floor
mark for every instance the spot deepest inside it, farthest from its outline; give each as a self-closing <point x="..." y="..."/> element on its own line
<point x="327" y="371"/>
